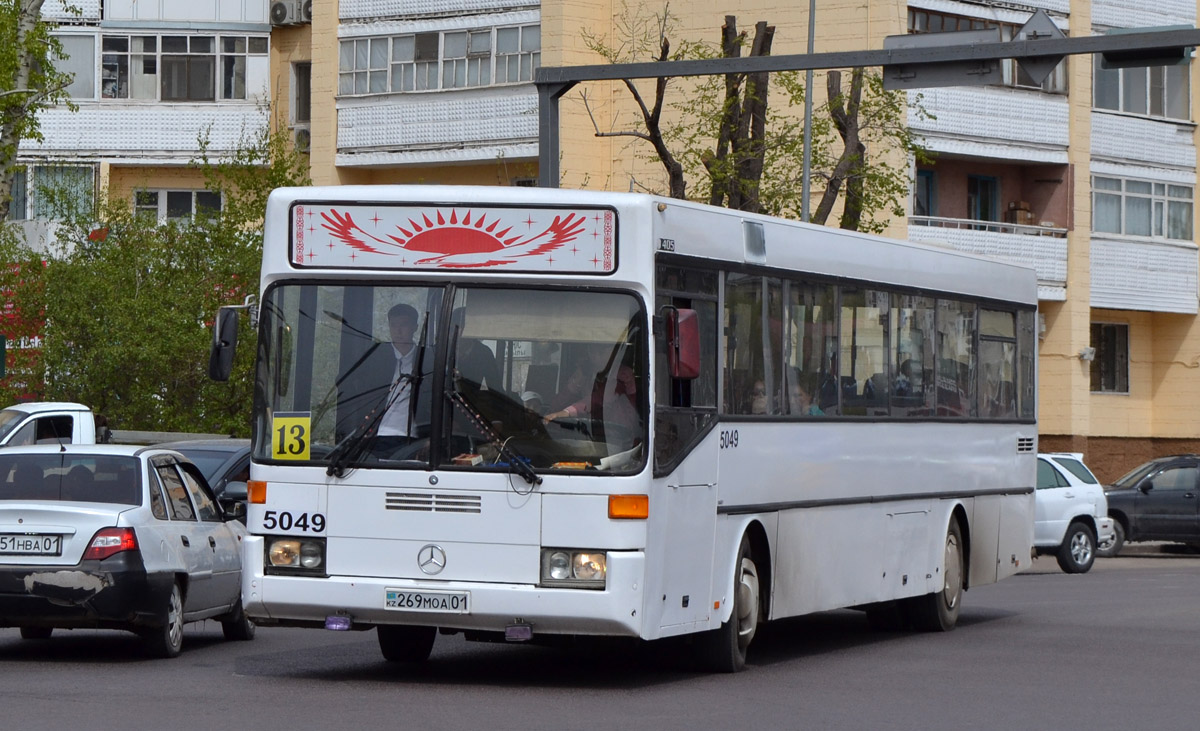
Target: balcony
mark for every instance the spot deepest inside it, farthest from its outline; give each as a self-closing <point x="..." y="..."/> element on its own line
<point x="1145" y="275"/>
<point x="1043" y="247"/>
<point x="463" y="125"/>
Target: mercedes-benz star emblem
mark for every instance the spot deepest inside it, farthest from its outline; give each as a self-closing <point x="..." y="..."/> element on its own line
<point x="431" y="559"/>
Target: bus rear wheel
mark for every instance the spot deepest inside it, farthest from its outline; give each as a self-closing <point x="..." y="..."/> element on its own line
<point x="938" y="611"/>
<point x="400" y="643"/>
<point x="723" y="649"/>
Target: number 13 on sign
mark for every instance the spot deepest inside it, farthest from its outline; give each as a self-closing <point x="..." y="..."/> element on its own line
<point x="289" y="434"/>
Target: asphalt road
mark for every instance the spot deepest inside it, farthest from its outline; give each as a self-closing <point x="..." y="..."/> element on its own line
<point x="1116" y="648"/>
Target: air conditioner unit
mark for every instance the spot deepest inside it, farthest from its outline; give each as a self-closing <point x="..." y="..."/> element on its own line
<point x="288" y="12"/>
<point x="303" y="139"/>
<point x="306" y="11"/>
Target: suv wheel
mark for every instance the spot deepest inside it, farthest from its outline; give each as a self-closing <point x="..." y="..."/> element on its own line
<point x="1111" y="548"/>
<point x="1078" y="549"/>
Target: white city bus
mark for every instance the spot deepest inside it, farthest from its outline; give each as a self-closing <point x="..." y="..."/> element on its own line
<point x="624" y="415"/>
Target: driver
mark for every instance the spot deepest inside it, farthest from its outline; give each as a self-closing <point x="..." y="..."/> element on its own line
<point x="613" y="398"/>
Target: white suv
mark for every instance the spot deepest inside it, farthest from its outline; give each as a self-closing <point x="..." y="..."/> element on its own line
<point x="1071" y="513"/>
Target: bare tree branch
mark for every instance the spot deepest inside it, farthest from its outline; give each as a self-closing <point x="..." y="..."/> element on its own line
<point x="595" y="126"/>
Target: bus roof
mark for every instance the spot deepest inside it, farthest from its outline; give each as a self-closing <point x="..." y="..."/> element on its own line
<point x="479" y="230"/>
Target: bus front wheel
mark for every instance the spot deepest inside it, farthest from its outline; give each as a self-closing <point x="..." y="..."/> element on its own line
<point x="724" y="649"/>
<point x="938" y="611"/>
<point x="405" y="644"/>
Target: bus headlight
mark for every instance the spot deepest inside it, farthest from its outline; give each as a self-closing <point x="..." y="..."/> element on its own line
<point x="291" y="555"/>
<point x="574" y="568"/>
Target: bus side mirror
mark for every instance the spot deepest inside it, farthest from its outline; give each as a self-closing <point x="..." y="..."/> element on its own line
<point x="224" y="344"/>
<point x="683" y="343"/>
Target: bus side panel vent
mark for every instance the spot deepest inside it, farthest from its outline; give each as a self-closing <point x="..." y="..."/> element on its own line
<point x="425" y="502"/>
<point x="1025" y="444"/>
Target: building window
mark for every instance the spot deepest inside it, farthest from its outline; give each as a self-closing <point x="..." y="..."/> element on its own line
<point x="17" y="210"/>
<point x="302" y="93"/>
<point x="1155" y="91"/>
<point x="518" y="53"/>
<point x="188" y="68"/>
<point x="1110" y="365"/>
<point x="176" y="205"/>
<point x="62" y="190"/>
<point x="177" y="68"/>
<point x="983" y="196"/>
<point x="924" y="194"/>
<point x="439" y="60"/>
<point x="80" y="63"/>
<point x="234" y="52"/>
<point x="927" y="21"/>
<point x="1142" y="208"/>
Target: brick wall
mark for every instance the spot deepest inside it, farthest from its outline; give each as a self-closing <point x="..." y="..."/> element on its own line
<point x="1111" y="457"/>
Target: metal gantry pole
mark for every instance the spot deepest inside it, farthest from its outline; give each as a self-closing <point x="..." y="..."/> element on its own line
<point x="554" y="81"/>
<point x="805" y="185"/>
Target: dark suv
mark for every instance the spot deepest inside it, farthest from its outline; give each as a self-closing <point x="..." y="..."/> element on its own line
<point x="1158" y="501"/>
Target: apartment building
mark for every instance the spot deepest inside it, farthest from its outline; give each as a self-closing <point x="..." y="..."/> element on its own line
<point x="150" y="79"/>
<point x="1089" y="175"/>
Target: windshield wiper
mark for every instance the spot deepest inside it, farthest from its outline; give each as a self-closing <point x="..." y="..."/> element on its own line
<point x="415" y="380"/>
<point x="354" y="444"/>
<point x="516" y="462"/>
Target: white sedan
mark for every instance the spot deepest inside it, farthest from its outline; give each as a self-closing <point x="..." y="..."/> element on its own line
<point x="115" y="537"/>
<point x="1071" y="512"/>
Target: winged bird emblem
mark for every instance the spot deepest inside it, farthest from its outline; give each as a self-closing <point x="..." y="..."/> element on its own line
<point x="455" y="242"/>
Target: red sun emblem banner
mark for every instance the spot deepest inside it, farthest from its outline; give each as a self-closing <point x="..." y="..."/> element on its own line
<point x="561" y="241"/>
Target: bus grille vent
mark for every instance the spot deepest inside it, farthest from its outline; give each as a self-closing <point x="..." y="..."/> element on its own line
<point x="1024" y="444"/>
<point x="424" y="502"/>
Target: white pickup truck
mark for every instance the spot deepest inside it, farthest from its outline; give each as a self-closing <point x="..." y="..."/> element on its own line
<point x="47" y="422"/>
<point x="64" y="422"/>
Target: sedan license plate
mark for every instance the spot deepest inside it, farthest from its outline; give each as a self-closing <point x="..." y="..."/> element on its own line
<point x="444" y="602"/>
<point x="30" y="545"/>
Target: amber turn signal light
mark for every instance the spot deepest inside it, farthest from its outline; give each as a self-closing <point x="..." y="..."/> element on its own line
<point x="629" y="506"/>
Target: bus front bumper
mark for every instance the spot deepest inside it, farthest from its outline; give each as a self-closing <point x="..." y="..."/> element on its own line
<point x="615" y="610"/>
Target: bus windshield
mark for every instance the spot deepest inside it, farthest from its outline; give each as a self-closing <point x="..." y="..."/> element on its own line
<point x="415" y="377"/>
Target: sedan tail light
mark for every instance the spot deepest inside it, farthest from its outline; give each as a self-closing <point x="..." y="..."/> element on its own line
<point x="110" y="541"/>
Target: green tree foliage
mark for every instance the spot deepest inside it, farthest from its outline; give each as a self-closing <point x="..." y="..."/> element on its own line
<point x="867" y="118"/>
<point x="29" y="82"/>
<point x="736" y="149"/>
<point x="129" y="307"/>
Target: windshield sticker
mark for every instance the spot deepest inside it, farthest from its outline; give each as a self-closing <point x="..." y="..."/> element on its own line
<point x="454" y="237"/>
<point x="290" y="434"/>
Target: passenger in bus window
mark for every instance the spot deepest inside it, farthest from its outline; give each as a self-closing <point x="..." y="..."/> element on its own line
<point x="385" y="380"/>
<point x="402" y="324"/>
<point x="532" y="400"/>
<point x="800" y="401"/>
<point x="758" y="398"/>
<point x="903" y="385"/>
<point x="477" y="363"/>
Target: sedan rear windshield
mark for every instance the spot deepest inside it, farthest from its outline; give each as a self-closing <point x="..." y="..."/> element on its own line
<point x="57" y="477"/>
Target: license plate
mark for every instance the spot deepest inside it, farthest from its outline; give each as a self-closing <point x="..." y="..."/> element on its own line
<point x="30" y="545"/>
<point x="444" y="602"/>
